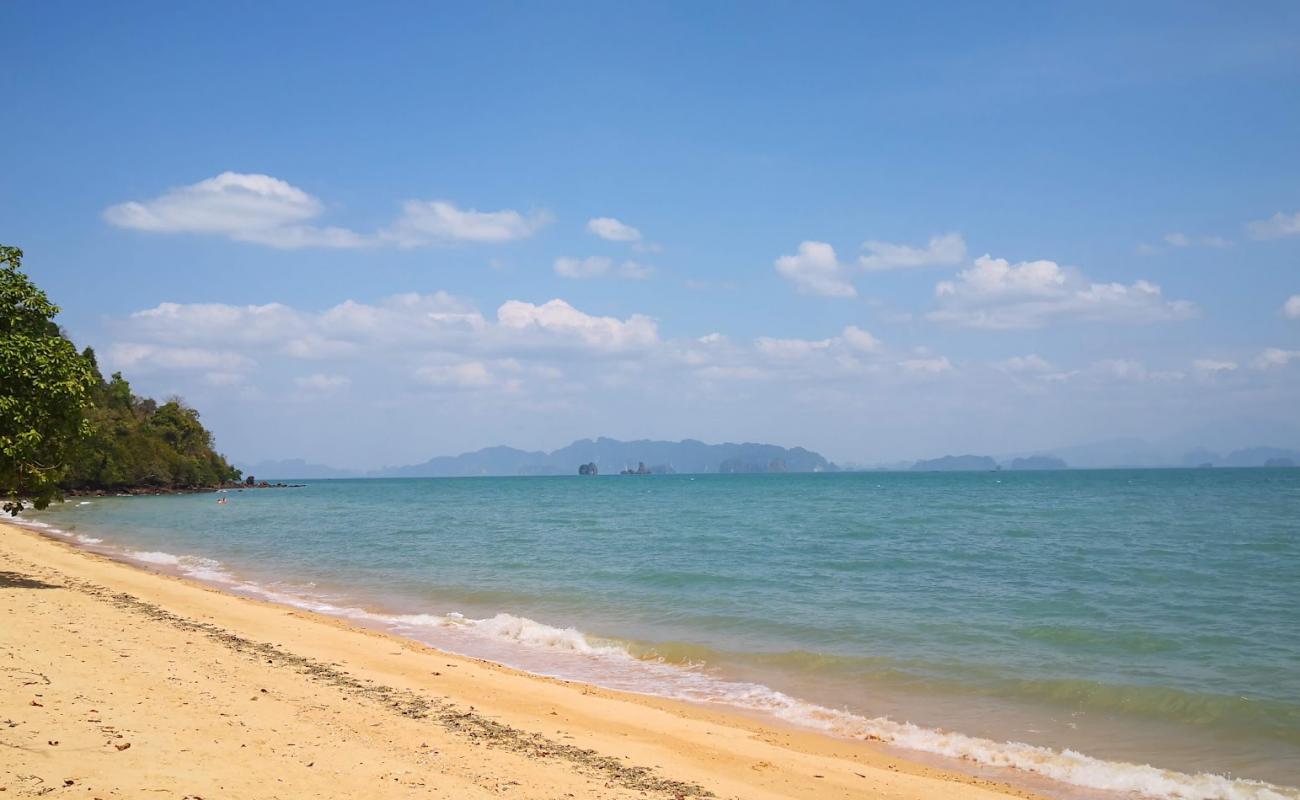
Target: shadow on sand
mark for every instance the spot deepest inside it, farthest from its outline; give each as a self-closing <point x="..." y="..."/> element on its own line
<point x="16" y="580"/>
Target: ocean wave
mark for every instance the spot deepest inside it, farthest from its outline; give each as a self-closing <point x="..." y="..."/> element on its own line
<point x="644" y="669"/>
<point x="685" y="682"/>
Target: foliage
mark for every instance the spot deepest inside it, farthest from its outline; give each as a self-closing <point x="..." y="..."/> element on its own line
<point x="62" y="426"/>
<point x="137" y="443"/>
<point x="44" y="389"/>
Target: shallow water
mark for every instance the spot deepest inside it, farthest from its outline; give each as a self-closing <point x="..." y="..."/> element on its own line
<point x="1099" y="620"/>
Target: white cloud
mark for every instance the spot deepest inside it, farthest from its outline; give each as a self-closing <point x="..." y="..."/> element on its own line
<point x="1275" y="357"/>
<point x="816" y="270"/>
<point x="323" y="382"/>
<point x="930" y="366"/>
<point x="995" y="293"/>
<point x="224" y="379"/>
<point x="1210" y="366"/>
<point x="613" y="230"/>
<point x="852" y="340"/>
<point x="1291" y="308"/>
<point x="996" y="278"/>
<point x="406" y="323"/>
<point x="261" y="209"/>
<point x="860" y="340"/>
<point x="439" y="221"/>
<point x="1276" y="226"/>
<point x="245" y="207"/>
<point x="635" y="271"/>
<point x="128" y="355"/>
<point x="1183" y="240"/>
<point x="558" y="318"/>
<point x="1024" y="364"/>
<point x="590" y="267"/>
<point x="944" y="250"/>
<point x="469" y="375"/>
<point x="599" y="266"/>
<point x="789" y="348"/>
<point x="1122" y="369"/>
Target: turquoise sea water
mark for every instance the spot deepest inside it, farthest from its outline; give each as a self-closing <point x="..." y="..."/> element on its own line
<point x="1078" y="625"/>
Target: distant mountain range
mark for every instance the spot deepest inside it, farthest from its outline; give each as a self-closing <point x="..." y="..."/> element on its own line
<point x="1191" y="449"/>
<point x="1134" y="453"/>
<point x="970" y="463"/>
<point x="610" y="455"/>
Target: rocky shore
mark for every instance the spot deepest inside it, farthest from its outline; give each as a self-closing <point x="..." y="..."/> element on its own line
<point x="161" y="490"/>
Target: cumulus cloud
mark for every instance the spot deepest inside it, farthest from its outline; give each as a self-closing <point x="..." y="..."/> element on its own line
<point x="440" y="221"/>
<point x="945" y="250"/>
<point x="590" y="267"/>
<point x="1291" y="308"/>
<point x="1122" y="369"/>
<point x="261" y="209"/>
<point x="1275" y="357"/>
<point x="851" y="341"/>
<point x="816" y="270"/>
<point x="1178" y="240"/>
<point x="559" y="319"/>
<point x="1211" y="366"/>
<point x="1275" y="227"/>
<point x="130" y="355"/>
<point x="997" y="294"/>
<point x="323" y="382"/>
<point x="926" y="366"/>
<point x="857" y="339"/>
<point x="635" y="270"/>
<point x="790" y="348"/>
<point x="248" y="208"/>
<point x="613" y="230"/>
<point x="405" y="322"/>
<point x="468" y="375"/>
<point x="600" y="266"/>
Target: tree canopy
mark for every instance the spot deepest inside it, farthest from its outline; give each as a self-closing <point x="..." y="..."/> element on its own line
<point x="63" y="426"/>
<point x="136" y="443"/>
<point x="44" y="389"/>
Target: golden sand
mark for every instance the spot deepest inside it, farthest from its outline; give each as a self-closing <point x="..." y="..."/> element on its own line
<point x="119" y="682"/>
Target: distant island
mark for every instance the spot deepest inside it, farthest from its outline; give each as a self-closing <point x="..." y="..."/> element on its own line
<point x="966" y="463"/>
<point x="1245" y="457"/>
<point x="598" y="456"/>
<point x="970" y="463"/>
<point x="604" y="456"/>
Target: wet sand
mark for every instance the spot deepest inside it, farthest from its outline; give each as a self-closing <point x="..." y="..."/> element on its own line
<point x="119" y="682"/>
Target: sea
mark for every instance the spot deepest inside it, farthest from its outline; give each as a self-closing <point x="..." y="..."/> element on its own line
<point x="1088" y="633"/>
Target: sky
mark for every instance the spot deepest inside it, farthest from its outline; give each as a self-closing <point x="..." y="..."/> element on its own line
<point x="367" y="234"/>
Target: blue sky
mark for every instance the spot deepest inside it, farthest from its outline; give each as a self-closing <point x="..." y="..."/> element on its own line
<point x="366" y="235"/>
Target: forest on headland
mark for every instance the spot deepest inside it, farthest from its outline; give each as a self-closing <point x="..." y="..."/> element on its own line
<point x="64" y="427"/>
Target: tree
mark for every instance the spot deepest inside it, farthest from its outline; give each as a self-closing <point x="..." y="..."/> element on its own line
<point x="44" y="390"/>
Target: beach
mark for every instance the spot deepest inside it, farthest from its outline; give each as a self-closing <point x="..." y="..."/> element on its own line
<point x="119" y="682"/>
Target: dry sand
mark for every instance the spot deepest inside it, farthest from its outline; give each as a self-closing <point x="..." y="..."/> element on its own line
<point x="118" y="682"/>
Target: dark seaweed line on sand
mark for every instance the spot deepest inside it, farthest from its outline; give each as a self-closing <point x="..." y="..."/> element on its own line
<point x="477" y="728"/>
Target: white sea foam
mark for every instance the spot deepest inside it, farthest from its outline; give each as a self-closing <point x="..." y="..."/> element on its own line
<point x="568" y="653"/>
<point x="693" y="684"/>
<point x="153" y="557"/>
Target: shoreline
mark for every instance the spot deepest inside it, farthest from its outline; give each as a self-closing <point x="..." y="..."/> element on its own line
<point x="610" y="743"/>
